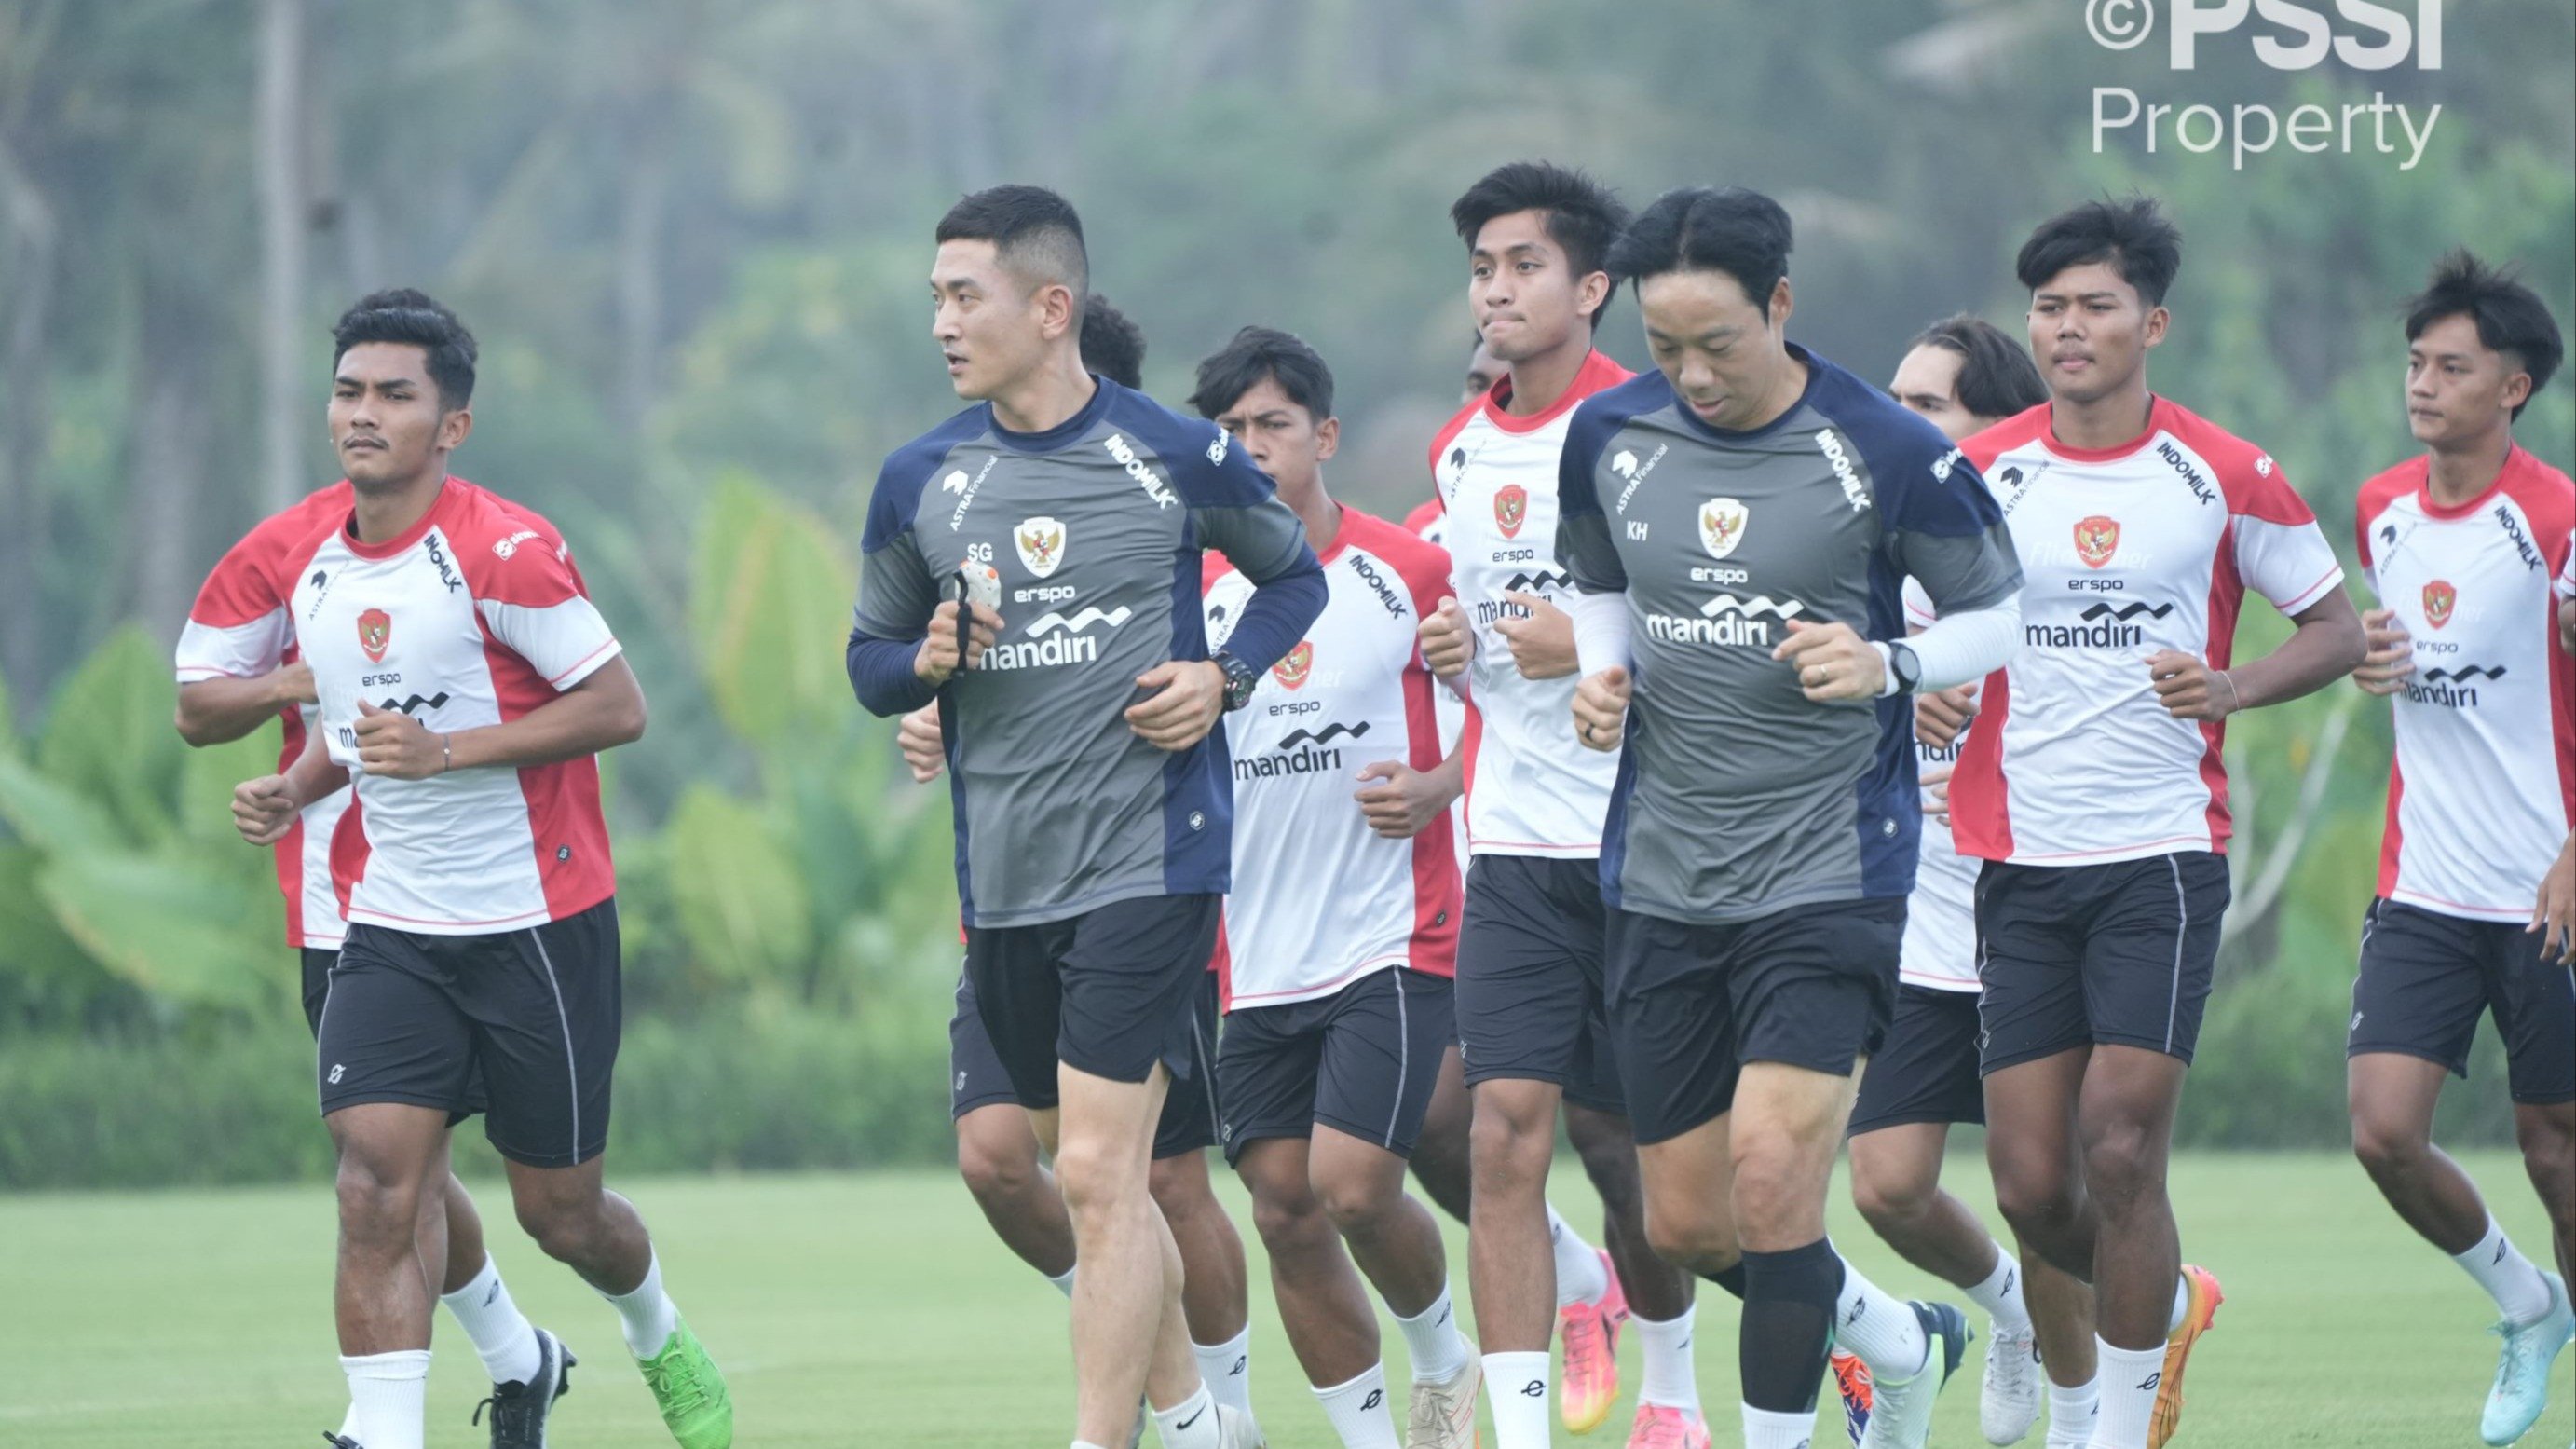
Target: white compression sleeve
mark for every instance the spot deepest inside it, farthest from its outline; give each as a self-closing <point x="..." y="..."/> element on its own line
<point x="1600" y="630"/>
<point x="1956" y="648"/>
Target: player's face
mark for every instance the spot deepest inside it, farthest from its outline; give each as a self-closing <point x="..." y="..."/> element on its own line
<point x="2457" y="387"/>
<point x="1484" y="369"/>
<point x="989" y="322"/>
<point x="1522" y="290"/>
<point x="1722" y="355"/>
<point x="2090" y="332"/>
<point x="1927" y="382"/>
<point x="1280" y="435"/>
<point x="387" y="423"/>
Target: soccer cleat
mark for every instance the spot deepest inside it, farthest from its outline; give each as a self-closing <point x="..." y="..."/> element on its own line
<point x="690" y="1393"/>
<point x="1235" y="1430"/>
<point x="2198" y="1315"/>
<point x="1443" y="1413"/>
<point x="1851" y="1378"/>
<point x="2521" y="1389"/>
<point x="1590" y="1332"/>
<point x="1900" y="1414"/>
<point x="2008" y="1402"/>
<point x="1661" y="1426"/>
<point x="336" y="1442"/>
<point x="521" y="1407"/>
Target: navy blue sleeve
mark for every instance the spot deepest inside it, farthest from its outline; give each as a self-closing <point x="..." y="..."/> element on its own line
<point x="1584" y="547"/>
<point x="896" y="591"/>
<point x="1235" y="510"/>
<point x="1939" y="524"/>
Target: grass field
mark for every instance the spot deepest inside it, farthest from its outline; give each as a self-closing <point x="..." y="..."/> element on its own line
<point x="879" y="1310"/>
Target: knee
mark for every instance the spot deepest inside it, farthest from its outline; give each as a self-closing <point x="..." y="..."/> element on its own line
<point x="996" y="1176"/>
<point x="1767" y="1191"/>
<point x="1507" y="1147"/>
<point x="2122" y="1164"/>
<point x="1288" y="1219"/>
<point x="377" y="1205"/>
<point x="1357" y="1207"/>
<point x="2548" y="1141"/>
<point x="1692" y="1236"/>
<point x="1890" y="1200"/>
<point x="1093" y="1175"/>
<point x="2387" y="1148"/>
<point x="2035" y="1199"/>
<point x="562" y="1226"/>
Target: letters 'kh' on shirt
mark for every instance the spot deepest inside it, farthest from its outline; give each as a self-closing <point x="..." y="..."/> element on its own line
<point x="241" y="628"/>
<point x="2482" y="787"/>
<point x="1738" y="797"/>
<point x="2128" y="551"/>
<point x="1321" y="900"/>
<point x="1532" y="789"/>
<point x="474" y="616"/>
<point x="1095" y="528"/>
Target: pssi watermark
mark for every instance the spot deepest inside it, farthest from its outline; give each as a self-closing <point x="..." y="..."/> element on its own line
<point x="2287" y="35"/>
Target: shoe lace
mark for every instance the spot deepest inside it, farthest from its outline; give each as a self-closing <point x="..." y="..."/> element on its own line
<point x="2510" y="1371"/>
<point x="514" y="1410"/>
<point x="1430" y="1414"/>
<point x="1585" y="1336"/>
<point x="675" y="1382"/>
<point x="1657" y="1428"/>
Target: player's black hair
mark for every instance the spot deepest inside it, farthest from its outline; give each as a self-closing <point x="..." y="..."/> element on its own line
<point x="1034" y="231"/>
<point x="1264" y="352"/>
<point x="1112" y="344"/>
<point x="2510" y="316"/>
<point x="1997" y="379"/>
<point x="1730" y="229"/>
<point x="1583" y="216"/>
<point x="2142" y="245"/>
<point x="401" y="314"/>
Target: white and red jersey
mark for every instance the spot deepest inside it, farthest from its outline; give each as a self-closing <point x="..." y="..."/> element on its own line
<point x="2482" y="787"/>
<point x="1940" y="946"/>
<point x="1320" y="900"/>
<point x="240" y="627"/>
<point x="2125" y="552"/>
<point x="1532" y="788"/>
<point x="1427" y="522"/>
<point x="474" y="616"/>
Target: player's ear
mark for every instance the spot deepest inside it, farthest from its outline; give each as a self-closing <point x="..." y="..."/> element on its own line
<point x="1328" y="436"/>
<point x="2158" y="321"/>
<point x="1592" y="294"/>
<point x="2517" y="390"/>
<point x="1056" y="304"/>
<point x="1782" y="304"/>
<point x="454" y="428"/>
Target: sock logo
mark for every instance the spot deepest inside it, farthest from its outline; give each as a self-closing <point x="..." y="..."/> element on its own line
<point x="1444" y="1317"/>
<point x="1859" y="1307"/>
<point x="2501" y="1245"/>
<point x="2008" y="1279"/>
<point x="1183" y="1426"/>
<point x="1241" y="1362"/>
<point x="1375" y="1398"/>
<point x="495" y="1293"/>
<point x="2151" y="1380"/>
<point x="1534" y="1389"/>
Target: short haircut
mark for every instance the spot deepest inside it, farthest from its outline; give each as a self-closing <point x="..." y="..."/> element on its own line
<point x="1112" y="344"/>
<point x="1997" y="379"/>
<point x="2510" y="316"/>
<point x="1256" y="353"/>
<point x="1729" y="229"/>
<point x="403" y="315"/>
<point x="2143" y="247"/>
<point x="1034" y="233"/>
<point x="1583" y="216"/>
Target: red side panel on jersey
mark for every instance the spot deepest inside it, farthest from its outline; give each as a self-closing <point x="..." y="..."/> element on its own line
<point x="2226" y="600"/>
<point x="2547" y="500"/>
<point x="349" y="853"/>
<point x="1980" y="803"/>
<point x="2391" y="841"/>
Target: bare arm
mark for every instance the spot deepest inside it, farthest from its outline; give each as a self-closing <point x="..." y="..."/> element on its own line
<point x="604" y="710"/>
<point x="223" y="709"/>
<point x="2328" y="644"/>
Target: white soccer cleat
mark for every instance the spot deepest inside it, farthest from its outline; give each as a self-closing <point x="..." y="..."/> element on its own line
<point x="1443" y="1412"/>
<point x="2008" y="1403"/>
<point x="1900" y="1414"/>
<point x="2521" y="1391"/>
<point x="1236" y="1429"/>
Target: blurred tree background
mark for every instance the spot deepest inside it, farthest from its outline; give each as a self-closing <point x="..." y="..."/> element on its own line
<point x="692" y="238"/>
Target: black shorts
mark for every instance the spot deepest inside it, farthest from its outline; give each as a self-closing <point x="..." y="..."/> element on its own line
<point x="1189" y="1121"/>
<point x="1106" y="992"/>
<point x="1529" y="1000"/>
<point x="1363" y="1060"/>
<point x="317" y="963"/>
<point x="530" y="1018"/>
<point x="1926" y="1071"/>
<point x="2110" y="955"/>
<point x="2426" y="978"/>
<point x="1812" y="986"/>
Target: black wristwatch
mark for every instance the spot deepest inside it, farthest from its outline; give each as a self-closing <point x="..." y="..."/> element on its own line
<point x="1240" y="679"/>
<point x="1901" y="663"/>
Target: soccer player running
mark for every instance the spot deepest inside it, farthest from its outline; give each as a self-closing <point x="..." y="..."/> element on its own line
<point x="238" y="668"/>
<point x="1064" y="517"/>
<point x="1338" y="941"/>
<point x="1761" y="839"/>
<point x="1962" y="375"/>
<point x="465" y="686"/>
<point x="997" y="1152"/>
<point x="1531" y="1024"/>
<point x="2094" y="787"/>
<point x="2461" y="546"/>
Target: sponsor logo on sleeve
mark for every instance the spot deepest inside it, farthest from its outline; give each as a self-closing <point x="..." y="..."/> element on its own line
<point x="1721" y="525"/>
<point x="375" y="634"/>
<point x="508" y="546"/>
<point x="1831" y="443"/>
<point x="1124" y="454"/>
<point x="2096" y="539"/>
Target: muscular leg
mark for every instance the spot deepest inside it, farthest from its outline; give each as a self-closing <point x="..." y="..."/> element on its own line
<point x="1510" y="1270"/>
<point x="2391" y="1097"/>
<point x="2061" y="1318"/>
<point x="579" y="1223"/>
<point x="465" y="1253"/>
<point x="1213" y="1293"/>
<point x="391" y="1158"/>
<point x="1322" y="1303"/>
<point x="1689" y="1198"/>
<point x="2125" y="1117"/>
<point x="997" y="1155"/>
<point x="1657" y="1289"/>
<point x="1896" y="1184"/>
<point x="1391" y="1237"/>
<point x="2547" y="1132"/>
<point x="2032" y="1147"/>
<point x="1130" y="1291"/>
<point x="1440" y="1154"/>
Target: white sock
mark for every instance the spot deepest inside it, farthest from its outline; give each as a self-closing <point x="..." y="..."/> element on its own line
<point x="2071" y="1413"/>
<point x="1227" y="1369"/>
<point x="1516" y="1390"/>
<point x="1579" y="1278"/>
<point x="2000" y="1293"/>
<point x="1433" y="1342"/>
<point x="1064" y="1280"/>
<point x="386" y="1392"/>
<point x="501" y="1333"/>
<point x="1357" y="1411"/>
<point x="2128" y="1378"/>
<point x="2181" y="1304"/>
<point x="1764" y="1429"/>
<point x="1880" y="1331"/>
<point x="647" y="1312"/>
<point x="1666" y="1348"/>
<point x="2509" y="1277"/>
<point x="1198" y="1412"/>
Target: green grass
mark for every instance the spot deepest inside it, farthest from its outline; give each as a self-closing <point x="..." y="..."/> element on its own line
<point x="879" y="1310"/>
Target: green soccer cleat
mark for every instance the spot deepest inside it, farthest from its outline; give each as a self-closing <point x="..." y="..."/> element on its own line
<point x="690" y="1392"/>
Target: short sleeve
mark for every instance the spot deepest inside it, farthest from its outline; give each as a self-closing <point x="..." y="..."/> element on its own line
<point x="2567" y="572"/>
<point x="238" y="627"/>
<point x="1584" y="548"/>
<point x="536" y="607"/>
<point x="2281" y="553"/>
<point x="1233" y="504"/>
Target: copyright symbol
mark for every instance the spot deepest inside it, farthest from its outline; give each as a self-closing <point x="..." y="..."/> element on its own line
<point x="2119" y="24"/>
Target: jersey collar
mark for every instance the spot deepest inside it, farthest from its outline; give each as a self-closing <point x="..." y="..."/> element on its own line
<point x="2159" y="420"/>
<point x="437" y="509"/>
<point x="1063" y="433"/>
<point x="2515" y="459"/>
<point x="1599" y="371"/>
<point x="1815" y="375"/>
